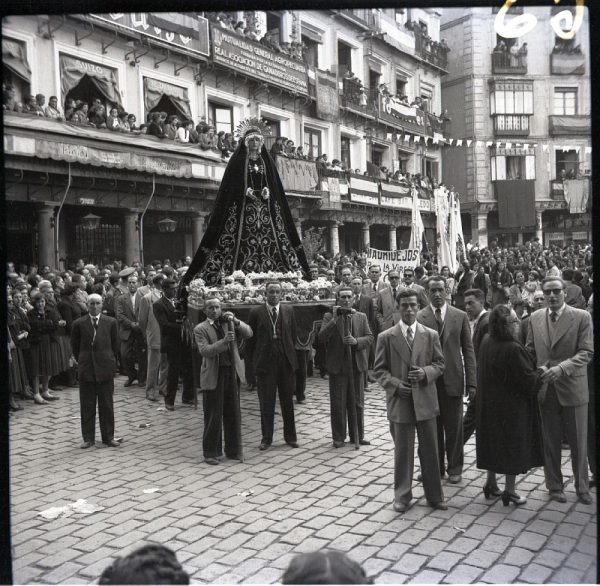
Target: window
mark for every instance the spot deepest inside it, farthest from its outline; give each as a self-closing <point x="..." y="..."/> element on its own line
<point x="431" y="170"/>
<point x="565" y="101"/>
<point x="312" y="142"/>
<point x="404" y="158"/>
<point x="345" y="151"/>
<point x="274" y="25"/>
<point x="374" y="77"/>
<point x="401" y="84"/>
<point x="377" y="154"/>
<point x="16" y="72"/>
<point x="512" y="98"/>
<point x="344" y="57"/>
<point x="221" y="117"/>
<point x="400" y="15"/>
<point x="311" y="55"/>
<point x="426" y="97"/>
<point x="512" y="167"/>
<point x="275" y="126"/>
<point x="567" y="161"/>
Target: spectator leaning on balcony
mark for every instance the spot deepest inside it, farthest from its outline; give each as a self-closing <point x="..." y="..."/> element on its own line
<point x="31" y="106"/>
<point x="80" y="114"/>
<point x="9" y="103"/>
<point x="208" y="139"/>
<point x="112" y="120"/>
<point x="97" y="115"/>
<point x="123" y="124"/>
<point x="183" y="131"/>
<point x="228" y="145"/>
<point x="171" y="126"/>
<point x="52" y="110"/>
<point x="70" y="105"/>
<point x="154" y="128"/>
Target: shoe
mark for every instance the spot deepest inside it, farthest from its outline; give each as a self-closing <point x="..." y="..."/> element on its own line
<point x="558" y="496"/>
<point x="112" y="444"/>
<point x="454" y="478"/>
<point x="169" y="407"/>
<point x="211" y="461"/>
<point x="37" y="399"/>
<point x="301" y="401"/>
<point x="441" y="506"/>
<point x="491" y="490"/>
<point x="338" y="444"/>
<point x="293" y="444"/>
<point x="162" y="393"/>
<point x="263" y="446"/>
<point x="371" y="378"/>
<point x="237" y="457"/>
<point x="49" y="397"/>
<point x="129" y="382"/>
<point x="400" y="507"/>
<point x="364" y="442"/>
<point x="509" y="497"/>
<point x="585" y="498"/>
<point x="86" y="445"/>
<point x="12" y="404"/>
<point x="420" y="476"/>
<point x="28" y="393"/>
<point x="119" y="440"/>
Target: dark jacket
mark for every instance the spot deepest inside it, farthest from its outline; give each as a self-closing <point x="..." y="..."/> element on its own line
<point x="95" y="355"/>
<point x="170" y="330"/>
<point x="41" y="326"/>
<point x="508" y="427"/>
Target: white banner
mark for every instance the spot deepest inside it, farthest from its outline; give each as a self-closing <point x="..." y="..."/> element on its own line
<point x="397" y="260"/>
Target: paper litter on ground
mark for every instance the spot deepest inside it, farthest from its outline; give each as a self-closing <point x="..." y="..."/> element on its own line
<point x="79" y="506"/>
<point x="151" y="490"/>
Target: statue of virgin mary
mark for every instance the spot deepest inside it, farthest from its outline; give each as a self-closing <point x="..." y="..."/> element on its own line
<point x="251" y="227"/>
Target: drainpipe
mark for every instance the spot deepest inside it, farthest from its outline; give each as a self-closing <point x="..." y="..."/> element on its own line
<point x="142" y="219"/>
<point x="57" y="221"/>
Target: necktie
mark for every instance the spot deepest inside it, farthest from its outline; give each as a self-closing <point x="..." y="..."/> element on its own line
<point x="95" y="320"/>
<point x="438" y="319"/>
<point x="553" y="317"/>
<point x="375" y="287"/>
<point x="274" y="312"/>
<point x="356" y="298"/>
<point x="394" y="293"/>
<point x="409" y="336"/>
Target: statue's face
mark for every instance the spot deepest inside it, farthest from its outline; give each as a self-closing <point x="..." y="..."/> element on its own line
<point x="254" y="143"/>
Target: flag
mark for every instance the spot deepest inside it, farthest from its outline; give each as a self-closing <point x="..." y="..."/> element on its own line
<point x="460" y="238"/>
<point x="441" y="212"/>
<point x="417" y="234"/>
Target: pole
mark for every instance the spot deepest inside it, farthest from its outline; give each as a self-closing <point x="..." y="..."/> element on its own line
<point x="350" y="369"/>
<point x="57" y="221"/>
<point x="142" y="219"/>
<point x="236" y="387"/>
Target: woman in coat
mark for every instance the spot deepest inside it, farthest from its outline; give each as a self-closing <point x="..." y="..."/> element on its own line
<point x="508" y="428"/>
<point x="69" y="312"/>
<point x="501" y="280"/>
<point x="43" y="348"/>
<point x="20" y="335"/>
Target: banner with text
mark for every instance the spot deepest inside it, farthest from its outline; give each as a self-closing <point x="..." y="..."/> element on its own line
<point x="297" y="174"/>
<point x="364" y="190"/>
<point x="397" y="260"/>
<point x="258" y="61"/>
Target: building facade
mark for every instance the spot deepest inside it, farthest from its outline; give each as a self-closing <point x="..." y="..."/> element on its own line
<point x="332" y="81"/>
<point x="524" y="106"/>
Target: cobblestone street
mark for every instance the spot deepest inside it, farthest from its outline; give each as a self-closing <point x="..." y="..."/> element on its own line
<point x="243" y="522"/>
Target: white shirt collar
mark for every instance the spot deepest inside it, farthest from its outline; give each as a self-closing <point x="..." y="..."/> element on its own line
<point x="558" y="311"/>
<point x="483" y="311"/>
<point x="442" y="309"/>
<point x="270" y="307"/>
<point x="404" y="327"/>
<point x="94" y="317"/>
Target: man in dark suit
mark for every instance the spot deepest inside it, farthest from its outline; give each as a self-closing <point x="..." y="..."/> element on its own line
<point x="464" y="281"/>
<point x="178" y="357"/>
<point x="560" y="340"/>
<point x="273" y="356"/>
<point x="573" y="293"/>
<point x="346" y="279"/>
<point x="453" y="327"/>
<point x="408" y="360"/>
<point x="221" y="371"/>
<point x="478" y="324"/>
<point x="127" y="308"/>
<point x="95" y="343"/>
<point x="364" y="304"/>
<point x="338" y="333"/>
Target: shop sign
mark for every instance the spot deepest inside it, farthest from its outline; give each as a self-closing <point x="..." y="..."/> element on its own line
<point x="184" y="31"/>
<point x="578" y="236"/>
<point x="258" y="61"/>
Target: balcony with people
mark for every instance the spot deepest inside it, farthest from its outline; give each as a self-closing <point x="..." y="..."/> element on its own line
<point x="431" y="51"/>
<point x="508" y="58"/>
<point x="567" y="58"/>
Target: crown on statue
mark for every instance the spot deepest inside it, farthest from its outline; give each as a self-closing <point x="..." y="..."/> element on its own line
<point x="252" y="126"/>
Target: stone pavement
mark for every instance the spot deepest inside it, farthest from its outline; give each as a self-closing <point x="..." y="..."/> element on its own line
<point x="243" y="522"/>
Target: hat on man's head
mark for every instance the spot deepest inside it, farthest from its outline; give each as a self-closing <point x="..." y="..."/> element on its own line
<point x="126" y="272"/>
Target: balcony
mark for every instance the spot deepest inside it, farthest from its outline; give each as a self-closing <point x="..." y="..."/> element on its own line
<point x="354" y="96"/>
<point x="511" y="125"/>
<point x="570" y="125"/>
<point x="567" y="58"/>
<point x="504" y="63"/>
<point x="363" y="17"/>
<point x="431" y="51"/>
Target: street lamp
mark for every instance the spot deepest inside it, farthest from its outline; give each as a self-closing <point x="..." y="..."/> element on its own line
<point x="166" y="225"/>
<point x="91" y="221"/>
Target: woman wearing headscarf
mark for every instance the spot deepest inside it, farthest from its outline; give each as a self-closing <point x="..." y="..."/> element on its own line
<point x="508" y="425"/>
<point x="21" y="336"/>
<point x="44" y="348"/>
<point x="69" y="312"/>
<point x="251" y="227"/>
<point x="501" y="280"/>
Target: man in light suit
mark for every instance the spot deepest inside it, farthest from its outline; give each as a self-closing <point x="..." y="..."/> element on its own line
<point x="273" y="354"/>
<point x="95" y="343"/>
<point x="376" y="284"/>
<point x="171" y="344"/>
<point x="408" y="277"/>
<point x="364" y="304"/>
<point x="408" y="360"/>
<point x="560" y="339"/>
<point x="452" y="326"/>
<point x="220" y="376"/>
<point x="386" y="311"/>
<point x="340" y="333"/>
<point x="156" y="380"/>
<point x="479" y="320"/>
<point x="126" y="307"/>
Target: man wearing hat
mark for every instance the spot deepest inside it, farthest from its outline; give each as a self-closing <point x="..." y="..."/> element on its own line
<point x="171" y="344"/>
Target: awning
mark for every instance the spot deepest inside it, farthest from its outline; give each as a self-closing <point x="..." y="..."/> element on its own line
<point x="14" y="57"/>
<point x="73" y="70"/>
<point x="154" y="90"/>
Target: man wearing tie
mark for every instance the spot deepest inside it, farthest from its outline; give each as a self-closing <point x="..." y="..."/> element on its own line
<point x="178" y="357"/>
<point x="127" y="307"/>
<point x="386" y="304"/>
<point x="95" y="343"/>
<point x="338" y="333"/>
<point x="560" y="340"/>
<point x="452" y="326"/>
<point x="408" y="361"/>
<point x="479" y="325"/>
<point x="273" y="356"/>
<point x="371" y="289"/>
